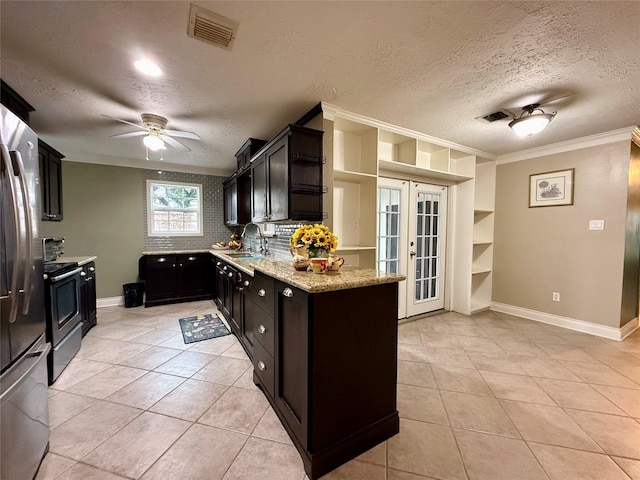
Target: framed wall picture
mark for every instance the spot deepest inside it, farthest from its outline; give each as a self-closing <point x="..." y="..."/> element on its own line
<point x="551" y="189"/>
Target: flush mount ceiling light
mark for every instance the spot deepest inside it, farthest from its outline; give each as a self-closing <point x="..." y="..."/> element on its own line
<point x="529" y="123"/>
<point x="153" y="141"/>
<point x="148" y="67"/>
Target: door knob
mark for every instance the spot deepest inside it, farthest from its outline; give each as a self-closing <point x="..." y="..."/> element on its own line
<point x="412" y="254"/>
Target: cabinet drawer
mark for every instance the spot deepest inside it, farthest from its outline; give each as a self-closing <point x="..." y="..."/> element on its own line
<point x="260" y="289"/>
<point x="262" y="328"/>
<point x="263" y="366"/>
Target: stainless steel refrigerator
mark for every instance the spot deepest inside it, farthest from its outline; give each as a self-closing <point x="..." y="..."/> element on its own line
<point x="24" y="409"/>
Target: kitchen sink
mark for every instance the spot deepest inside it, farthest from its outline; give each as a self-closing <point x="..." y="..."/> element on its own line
<point x="246" y="256"/>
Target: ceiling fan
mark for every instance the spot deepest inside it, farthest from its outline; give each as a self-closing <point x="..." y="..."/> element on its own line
<point x="155" y="133"/>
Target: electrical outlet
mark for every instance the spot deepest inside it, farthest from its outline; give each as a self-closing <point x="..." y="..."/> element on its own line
<point x="556" y="296"/>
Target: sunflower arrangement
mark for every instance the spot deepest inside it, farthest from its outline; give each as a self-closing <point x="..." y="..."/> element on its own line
<point x="318" y="237"/>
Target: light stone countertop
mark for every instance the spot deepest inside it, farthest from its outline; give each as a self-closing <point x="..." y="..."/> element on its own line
<point x="175" y="252"/>
<point x="79" y="260"/>
<point x="348" y="277"/>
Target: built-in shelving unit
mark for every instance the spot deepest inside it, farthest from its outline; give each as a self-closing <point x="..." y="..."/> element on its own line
<point x="361" y="150"/>
<point x="483" y="220"/>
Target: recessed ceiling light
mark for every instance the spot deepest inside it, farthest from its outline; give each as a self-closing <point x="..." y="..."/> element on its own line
<point x="148" y="67"/>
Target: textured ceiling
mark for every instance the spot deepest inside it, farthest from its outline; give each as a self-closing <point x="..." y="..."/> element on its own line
<point x="427" y="66"/>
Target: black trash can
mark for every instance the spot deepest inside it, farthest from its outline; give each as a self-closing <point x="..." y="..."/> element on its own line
<point x="133" y="294"/>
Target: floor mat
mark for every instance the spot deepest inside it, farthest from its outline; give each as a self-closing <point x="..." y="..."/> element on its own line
<point x="202" y="327"/>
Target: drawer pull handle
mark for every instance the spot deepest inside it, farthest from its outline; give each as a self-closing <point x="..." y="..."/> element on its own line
<point x="191" y="259"/>
<point x="162" y="260"/>
<point x="261" y="366"/>
<point x="261" y="292"/>
<point x="230" y="274"/>
<point x="287" y="292"/>
<point x="218" y="264"/>
<point x="224" y="268"/>
<point x="92" y="269"/>
<point x="246" y="283"/>
<point x="262" y="329"/>
<point x="83" y="274"/>
<point x="221" y="272"/>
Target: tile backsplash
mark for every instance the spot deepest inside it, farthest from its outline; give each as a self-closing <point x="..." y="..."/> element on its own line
<point x="213" y="227"/>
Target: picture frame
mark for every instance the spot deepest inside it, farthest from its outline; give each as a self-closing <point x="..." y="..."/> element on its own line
<point x="551" y="189"/>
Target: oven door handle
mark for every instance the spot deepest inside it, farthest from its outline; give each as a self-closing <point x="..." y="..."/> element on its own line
<point x="58" y="278"/>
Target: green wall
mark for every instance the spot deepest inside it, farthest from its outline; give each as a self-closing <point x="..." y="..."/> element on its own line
<point x="102" y="216"/>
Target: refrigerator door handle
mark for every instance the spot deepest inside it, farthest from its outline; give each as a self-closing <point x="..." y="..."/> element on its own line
<point x="29" y="231"/>
<point x="8" y="167"/>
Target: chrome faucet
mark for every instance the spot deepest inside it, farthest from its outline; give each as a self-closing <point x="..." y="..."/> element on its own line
<point x="264" y="250"/>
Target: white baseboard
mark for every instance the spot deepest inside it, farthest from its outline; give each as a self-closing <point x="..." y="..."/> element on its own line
<point x="611" y="333"/>
<point x="110" y="301"/>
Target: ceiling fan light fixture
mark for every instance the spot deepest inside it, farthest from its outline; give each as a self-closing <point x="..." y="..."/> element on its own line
<point x="148" y="67"/>
<point x="530" y="123"/>
<point x="153" y="142"/>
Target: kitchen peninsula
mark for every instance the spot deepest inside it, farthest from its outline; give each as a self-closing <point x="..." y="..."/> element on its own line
<point x="324" y="351"/>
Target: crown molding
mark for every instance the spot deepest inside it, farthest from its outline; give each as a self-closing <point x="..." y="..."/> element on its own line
<point x="613" y="136"/>
<point x="147" y="165"/>
<point x="330" y="112"/>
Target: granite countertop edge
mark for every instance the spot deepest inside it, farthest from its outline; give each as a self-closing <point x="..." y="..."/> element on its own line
<point x="80" y="260"/>
<point x="346" y="278"/>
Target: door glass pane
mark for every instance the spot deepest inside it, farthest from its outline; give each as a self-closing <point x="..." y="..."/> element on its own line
<point x="427" y="258"/>
<point x="388" y="224"/>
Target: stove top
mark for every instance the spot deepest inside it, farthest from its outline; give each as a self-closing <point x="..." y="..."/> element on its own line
<point x="58" y="267"/>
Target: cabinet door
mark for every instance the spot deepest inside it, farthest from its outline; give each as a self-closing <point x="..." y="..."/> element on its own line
<point x="244" y="197"/>
<point x="51" y="182"/>
<point x="259" y="190"/>
<point x="230" y="189"/>
<point x="55" y="188"/>
<point x="278" y="180"/>
<point x="292" y="358"/>
<point x="191" y="271"/>
<point x="237" y="304"/>
<point x="88" y="307"/>
<point x="219" y="282"/>
<point x="160" y="276"/>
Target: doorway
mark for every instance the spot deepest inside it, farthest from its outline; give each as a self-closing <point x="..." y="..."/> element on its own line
<point x="411" y="240"/>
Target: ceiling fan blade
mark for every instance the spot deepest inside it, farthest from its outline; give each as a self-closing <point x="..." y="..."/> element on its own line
<point x="130" y="134"/>
<point x="182" y="134"/>
<point x="174" y="143"/>
<point x="126" y="121"/>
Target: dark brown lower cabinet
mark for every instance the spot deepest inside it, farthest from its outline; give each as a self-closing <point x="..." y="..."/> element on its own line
<point x="88" y="300"/>
<point x="327" y="363"/>
<point x="176" y="278"/>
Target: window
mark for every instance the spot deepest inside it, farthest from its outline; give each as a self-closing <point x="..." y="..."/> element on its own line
<point x="174" y="209"/>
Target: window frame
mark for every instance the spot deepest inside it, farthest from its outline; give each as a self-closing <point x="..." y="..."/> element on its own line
<point x="150" y="210"/>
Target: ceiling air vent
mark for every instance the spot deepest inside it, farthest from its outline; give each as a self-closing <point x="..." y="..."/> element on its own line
<point x="211" y="28"/>
<point x="495" y="116"/>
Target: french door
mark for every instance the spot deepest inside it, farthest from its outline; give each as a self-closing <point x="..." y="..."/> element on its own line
<point x="411" y="234"/>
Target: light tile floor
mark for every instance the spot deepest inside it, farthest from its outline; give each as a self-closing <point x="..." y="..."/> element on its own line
<point x="484" y="397"/>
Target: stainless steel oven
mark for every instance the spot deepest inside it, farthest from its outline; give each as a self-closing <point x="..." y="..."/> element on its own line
<point x="64" y="302"/>
<point x="63" y="281"/>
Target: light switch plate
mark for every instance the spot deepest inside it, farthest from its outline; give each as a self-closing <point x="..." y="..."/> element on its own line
<point x="596" y="224"/>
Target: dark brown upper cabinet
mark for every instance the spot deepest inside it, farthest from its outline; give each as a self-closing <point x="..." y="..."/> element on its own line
<point x="50" y="181"/>
<point x="286" y="177"/>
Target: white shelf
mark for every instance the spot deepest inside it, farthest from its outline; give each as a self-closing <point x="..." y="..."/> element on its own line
<point x="386" y="166"/>
<point x="480" y="270"/>
<point x="482" y="242"/>
<point x="349" y="176"/>
<point x="482" y="211"/>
